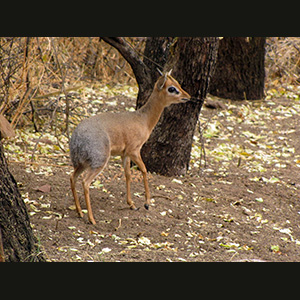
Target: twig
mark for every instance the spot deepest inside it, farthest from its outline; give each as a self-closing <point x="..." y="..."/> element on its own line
<point x="140" y="70"/>
<point x="57" y="92"/>
<point x="202" y="141"/>
<point x="120" y="223"/>
<point x="29" y="91"/>
<point x="56" y="225"/>
<point x="63" y="89"/>
<point x="28" y="83"/>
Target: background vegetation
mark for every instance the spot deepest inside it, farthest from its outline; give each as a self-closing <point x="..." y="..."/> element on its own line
<point x="34" y="70"/>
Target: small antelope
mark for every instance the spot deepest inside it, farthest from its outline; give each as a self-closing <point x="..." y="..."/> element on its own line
<point x="97" y="138"/>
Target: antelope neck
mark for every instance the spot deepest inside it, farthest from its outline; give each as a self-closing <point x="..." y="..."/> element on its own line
<point x="152" y="110"/>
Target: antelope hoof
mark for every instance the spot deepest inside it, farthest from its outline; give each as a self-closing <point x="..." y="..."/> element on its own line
<point x="134" y="208"/>
<point x="92" y="221"/>
<point x="146" y="206"/>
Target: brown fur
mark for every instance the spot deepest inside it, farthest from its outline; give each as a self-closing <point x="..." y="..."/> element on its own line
<point x="119" y="134"/>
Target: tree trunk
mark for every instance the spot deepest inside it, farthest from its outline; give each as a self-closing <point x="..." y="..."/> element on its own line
<point x="167" y="152"/>
<point x="18" y="241"/>
<point x="240" y="71"/>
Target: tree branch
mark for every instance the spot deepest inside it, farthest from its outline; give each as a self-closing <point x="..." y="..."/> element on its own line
<point x="140" y="70"/>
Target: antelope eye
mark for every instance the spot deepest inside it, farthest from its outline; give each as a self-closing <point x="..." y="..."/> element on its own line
<point x="172" y="90"/>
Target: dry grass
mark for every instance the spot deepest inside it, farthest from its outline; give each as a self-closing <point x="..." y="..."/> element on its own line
<point x="283" y="60"/>
<point x="39" y="67"/>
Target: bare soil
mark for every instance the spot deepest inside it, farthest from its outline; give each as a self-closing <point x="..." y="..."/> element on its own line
<point x="243" y="205"/>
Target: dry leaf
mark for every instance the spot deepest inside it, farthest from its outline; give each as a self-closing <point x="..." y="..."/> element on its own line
<point x="46" y="188"/>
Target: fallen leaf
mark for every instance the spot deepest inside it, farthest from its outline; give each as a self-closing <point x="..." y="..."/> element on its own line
<point x="144" y="241"/>
<point x="275" y="249"/>
<point x="34" y="208"/>
<point x="230" y="245"/>
<point x="73" y="249"/>
<point x="164" y="233"/>
<point x="46" y="188"/>
<point x="177" y="181"/>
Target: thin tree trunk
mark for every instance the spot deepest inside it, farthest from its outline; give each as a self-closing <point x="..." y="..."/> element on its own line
<point x="240" y="71"/>
<point x="19" y="243"/>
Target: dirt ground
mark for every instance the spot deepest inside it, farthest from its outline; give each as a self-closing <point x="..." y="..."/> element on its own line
<point x="243" y="205"/>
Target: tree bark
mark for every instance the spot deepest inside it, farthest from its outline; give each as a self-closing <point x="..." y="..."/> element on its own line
<point x="240" y="71"/>
<point x="167" y="152"/>
<point x="18" y="241"/>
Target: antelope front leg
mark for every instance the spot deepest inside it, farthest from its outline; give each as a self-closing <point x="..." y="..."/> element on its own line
<point x="138" y="160"/>
<point x="126" y="164"/>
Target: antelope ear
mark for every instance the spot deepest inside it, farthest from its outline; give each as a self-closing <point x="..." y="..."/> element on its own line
<point x="169" y="73"/>
<point x="161" y="82"/>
